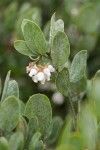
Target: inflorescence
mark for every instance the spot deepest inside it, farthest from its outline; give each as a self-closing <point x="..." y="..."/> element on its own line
<point x="40" y="73"/>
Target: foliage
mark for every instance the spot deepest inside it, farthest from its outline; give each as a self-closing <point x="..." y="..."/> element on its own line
<point x="34" y="125"/>
<point x="81" y="25"/>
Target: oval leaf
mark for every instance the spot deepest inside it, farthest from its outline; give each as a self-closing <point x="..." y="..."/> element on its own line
<point x="22" y="48"/>
<point x="34" y="37"/>
<point x="56" y="130"/>
<point x="63" y="82"/>
<point x="60" y="49"/>
<point x="9" y="113"/>
<point x="34" y="141"/>
<point x="17" y="141"/>
<point x="22" y="127"/>
<point x="33" y="127"/>
<point x="59" y="25"/>
<point x="79" y="86"/>
<point x="78" y="66"/>
<point x="12" y="89"/>
<point x="38" y="105"/>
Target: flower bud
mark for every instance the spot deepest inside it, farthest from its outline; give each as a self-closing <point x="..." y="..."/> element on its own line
<point x="28" y="69"/>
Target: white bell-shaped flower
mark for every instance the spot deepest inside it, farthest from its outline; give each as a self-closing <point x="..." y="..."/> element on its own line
<point x="47" y="71"/>
<point x="43" y="81"/>
<point x="41" y="73"/>
<point x="50" y="67"/>
<point x="48" y="78"/>
<point x="33" y="72"/>
<point x="35" y="79"/>
<point x="40" y="76"/>
<point x="47" y="74"/>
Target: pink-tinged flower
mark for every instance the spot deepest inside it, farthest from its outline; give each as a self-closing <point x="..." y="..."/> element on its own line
<point x="28" y="69"/>
<point x="46" y="71"/>
<point x="41" y="73"/>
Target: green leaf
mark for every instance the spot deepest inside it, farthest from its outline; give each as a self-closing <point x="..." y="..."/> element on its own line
<point x="95" y="92"/>
<point x="38" y="105"/>
<point x="59" y="25"/>
<point x="34" y="37"/>
<point x="87" y="123"/>
<point x="76" y="140"/>
<point x="60" y="49"/>
<point x="22" y="48"/>
<point x="88" y="18"/>
<point x="22" y="127"/>
<point x="57" y="126"/>
<point x="33" y="127"/>
<point x="55" y="26"/>
<point x="33" y="14"/>
<point x="9" y="113"/>
<point x="5" y="86"/>
<point x="12" y="89"/>
<point x="52" y="27"/>
<point x="96" y="87"/>
<point x="4" y="144"/>
<point x="22" y="107"/>
<point x="17" y="141"/>
<point x="40" y="145"/>
<point x="63" y="82"/>
<point x="35" y="141"/>
<point x="66" y="132"/>
<point x="78" y="66"/>
<point x="79" y="86"/>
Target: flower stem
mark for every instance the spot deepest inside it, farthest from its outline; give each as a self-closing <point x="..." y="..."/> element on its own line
<point x="73" y="112"/>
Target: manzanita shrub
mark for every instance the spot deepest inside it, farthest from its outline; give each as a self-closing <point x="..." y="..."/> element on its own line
<point x="31" y="126"/>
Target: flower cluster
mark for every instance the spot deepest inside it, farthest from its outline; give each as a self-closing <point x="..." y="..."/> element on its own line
<point x="39" y="73"/>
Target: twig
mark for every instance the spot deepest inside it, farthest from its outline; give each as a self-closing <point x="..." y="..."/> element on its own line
<point x="79" y="104"/>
